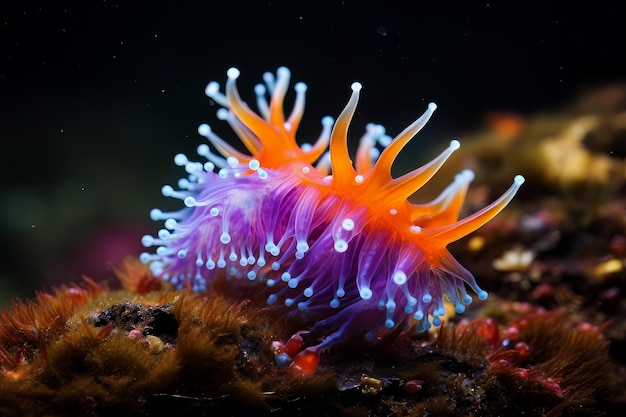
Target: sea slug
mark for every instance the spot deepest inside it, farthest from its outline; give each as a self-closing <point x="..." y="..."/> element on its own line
<point x="336" y="243"/>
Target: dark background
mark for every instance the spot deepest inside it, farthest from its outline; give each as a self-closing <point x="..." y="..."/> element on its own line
<point x="97" y="96"/>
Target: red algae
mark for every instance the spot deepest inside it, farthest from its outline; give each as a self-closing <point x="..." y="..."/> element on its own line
<point x="95" y="351"/>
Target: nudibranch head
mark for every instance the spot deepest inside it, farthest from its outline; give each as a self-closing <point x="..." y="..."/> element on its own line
<point x="338" y="243"/>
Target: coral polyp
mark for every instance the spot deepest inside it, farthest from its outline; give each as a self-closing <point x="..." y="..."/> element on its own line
<point x="337" y="243"/>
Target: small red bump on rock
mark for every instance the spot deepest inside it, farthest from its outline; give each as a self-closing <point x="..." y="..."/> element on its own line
<point x="413" y="386"/>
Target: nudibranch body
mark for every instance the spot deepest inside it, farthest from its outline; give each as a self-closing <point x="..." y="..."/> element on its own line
<point x="337" y="243"/>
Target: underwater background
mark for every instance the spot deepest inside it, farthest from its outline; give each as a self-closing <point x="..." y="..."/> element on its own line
<point x="96" y="97"/>
<point x="99" y="100"/>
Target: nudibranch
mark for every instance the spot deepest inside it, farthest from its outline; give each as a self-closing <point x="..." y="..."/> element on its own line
<point x="337" y="243"/>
